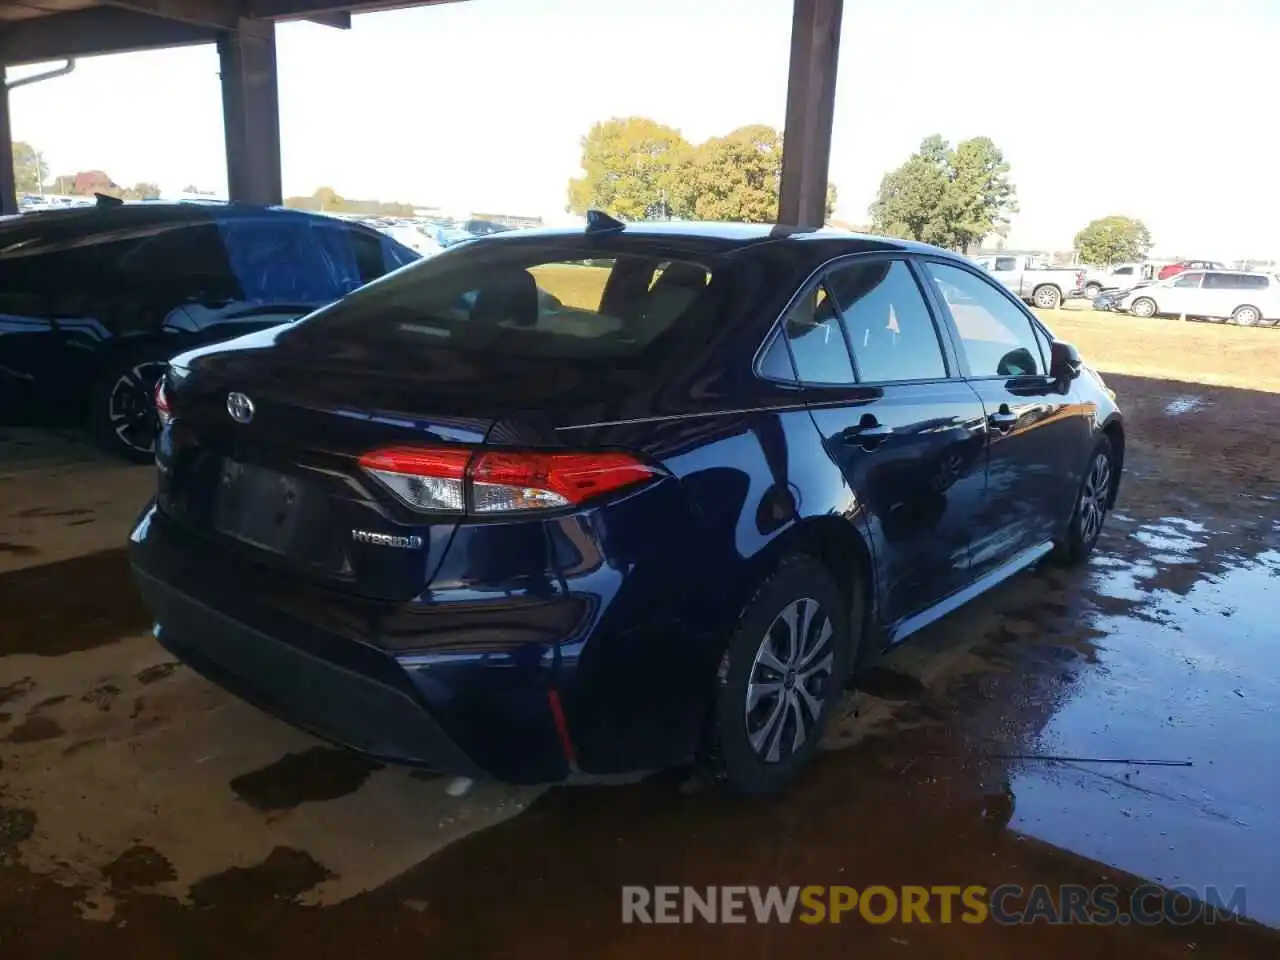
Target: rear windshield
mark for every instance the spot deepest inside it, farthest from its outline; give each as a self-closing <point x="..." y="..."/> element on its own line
<point x="521" y="299"/>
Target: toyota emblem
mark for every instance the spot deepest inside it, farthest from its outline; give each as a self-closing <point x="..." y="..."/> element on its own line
<point x="239" y="407"/>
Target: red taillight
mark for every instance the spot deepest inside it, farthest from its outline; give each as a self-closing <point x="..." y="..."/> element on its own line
<point x="460" y="480"/>
<point x="163" y="413"/>
<point x="426" y="478"/>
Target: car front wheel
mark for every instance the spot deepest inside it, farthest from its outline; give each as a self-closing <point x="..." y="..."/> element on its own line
<point x="1143" y="307"/>
<point x="781" y="676"/>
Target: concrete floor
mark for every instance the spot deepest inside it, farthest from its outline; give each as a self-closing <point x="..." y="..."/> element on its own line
<point x="143" y="810"/>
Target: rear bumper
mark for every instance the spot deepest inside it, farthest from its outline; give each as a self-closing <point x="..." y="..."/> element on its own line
<point x="301" y="687"/>
<point x="463" y="715"/>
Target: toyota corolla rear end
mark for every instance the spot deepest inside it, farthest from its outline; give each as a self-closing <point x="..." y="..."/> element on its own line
<point x="374" y="524"/>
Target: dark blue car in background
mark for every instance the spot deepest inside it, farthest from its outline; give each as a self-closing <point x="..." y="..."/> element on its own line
<point x="94" y="300"/>
<point x="453" y="521"/>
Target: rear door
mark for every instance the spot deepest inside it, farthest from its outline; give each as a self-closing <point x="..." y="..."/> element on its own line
<point x="1037" y="439"/>
<point x="907" y="433"/>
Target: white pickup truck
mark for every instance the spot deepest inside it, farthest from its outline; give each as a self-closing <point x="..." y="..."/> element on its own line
<point x="1032" y="279"/>
<point x="1120" y="276"/>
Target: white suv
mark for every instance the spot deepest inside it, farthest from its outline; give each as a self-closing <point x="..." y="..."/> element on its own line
<point x="1244" y="298"/>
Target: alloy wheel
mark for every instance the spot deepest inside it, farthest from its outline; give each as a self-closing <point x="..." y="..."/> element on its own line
<point x="789" y="680"/>
<point x="131" y="405"/>
<point x="1246" y="316"/>
<point x="1095" y="497"/>
<point x="1144" y="307"/>
<point x="1046" y="298"/>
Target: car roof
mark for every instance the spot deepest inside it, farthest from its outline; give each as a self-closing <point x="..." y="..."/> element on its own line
<point x="139" y="213"/>
<point x="725" y="238"/>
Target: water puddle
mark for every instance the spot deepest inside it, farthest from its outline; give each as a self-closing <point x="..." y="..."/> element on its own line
<point x="1199" y="683"/>
<point x="1183" y="404"/>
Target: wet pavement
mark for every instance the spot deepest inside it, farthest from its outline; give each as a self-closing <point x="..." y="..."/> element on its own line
<point x="1113" y="724"/>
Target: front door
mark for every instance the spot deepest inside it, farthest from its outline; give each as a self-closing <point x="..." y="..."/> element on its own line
<point x="1184" y="296"/>
<point x="907" y="433"/>
<point x="1038" y="435"/>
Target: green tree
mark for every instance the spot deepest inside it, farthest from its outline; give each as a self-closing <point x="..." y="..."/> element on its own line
<point x="950" y="197"/>
<point x="1113" y="239"/>
<point x="734" y="177"/>
<point x="29" y="168"/>
<point x="631" y="166"/>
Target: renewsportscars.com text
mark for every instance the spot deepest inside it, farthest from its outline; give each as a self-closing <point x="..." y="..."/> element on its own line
<point x="1008" y="904"/>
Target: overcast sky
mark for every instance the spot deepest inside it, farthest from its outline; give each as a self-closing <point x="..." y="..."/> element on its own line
<point x="1160" y="109"/>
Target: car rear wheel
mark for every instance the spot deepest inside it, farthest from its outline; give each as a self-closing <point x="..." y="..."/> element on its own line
<point x="1143" y="307"/>
<point x="1091" y="290"/>
<point x="781" y="676"/>
<point x="122" y="415"/>
<point x="1047" y="297"/>
<point x="1246" y="316"/>
<point x="1093" y="503"/>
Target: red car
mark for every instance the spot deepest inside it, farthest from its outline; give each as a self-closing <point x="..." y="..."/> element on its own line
<point x="1173" y="269"/>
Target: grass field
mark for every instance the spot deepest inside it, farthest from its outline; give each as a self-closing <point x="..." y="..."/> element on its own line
<point x="574" y="285"/>
<point x="1166" y="349"/>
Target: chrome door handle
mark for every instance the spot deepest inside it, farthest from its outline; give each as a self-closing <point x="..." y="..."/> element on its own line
<point x="873" y="431"/>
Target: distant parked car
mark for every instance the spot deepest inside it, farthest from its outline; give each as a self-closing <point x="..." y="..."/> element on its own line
<point x="1034" y="280"/>
<point x="416" y="239"/>
<point x="1244" y="298"/>
<point x="1121" y="276"/>
<point x="95" y="300"/>
<point x="451" y="236"/>
<point x="1173" y="269"/>
<point x="484" y="228"/>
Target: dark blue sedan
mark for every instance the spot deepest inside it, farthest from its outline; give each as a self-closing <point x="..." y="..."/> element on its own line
<point x="607" y="500"/>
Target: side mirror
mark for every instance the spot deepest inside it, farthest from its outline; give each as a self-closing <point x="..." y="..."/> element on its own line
<point x="1064" y="362"/>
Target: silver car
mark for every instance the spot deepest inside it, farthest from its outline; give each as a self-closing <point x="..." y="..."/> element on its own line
<point x="1243" y="298"/>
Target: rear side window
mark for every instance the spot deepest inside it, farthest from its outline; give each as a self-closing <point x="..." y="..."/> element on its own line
<point x="1234" y="281"/>
<point x="890" y="329"/>
<point x="523" y="300"/>
<point x="812" y="327"/>
<point x="191" y="254"/>
<point x="996" y="335"/>
<point x="291" y="260"/>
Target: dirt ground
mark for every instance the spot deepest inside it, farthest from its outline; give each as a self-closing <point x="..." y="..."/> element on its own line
<point x="147" y="814"/>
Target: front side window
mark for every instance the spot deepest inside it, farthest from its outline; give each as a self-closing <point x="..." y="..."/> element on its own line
<point x="1124" y="271"/>
<point x="812" y="327"/>
<point x="996" y="336"/>
<point x="1005" y="264"/>
<point x="890" y="330"/>
<point x="1188" y="280"/>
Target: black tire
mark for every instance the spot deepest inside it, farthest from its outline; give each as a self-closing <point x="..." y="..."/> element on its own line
<point x="1047" y="297"/>
<point x="1091" y="290"/>
<point x="1093" y="503"/>
<point x="1246" y="315"/>
<point x="1143" y="307"/>
<point x="121" y="417"/>
<point x="756" y="744"/>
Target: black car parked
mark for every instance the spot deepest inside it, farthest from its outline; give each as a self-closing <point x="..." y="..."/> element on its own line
<point x="95" y="300"/>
